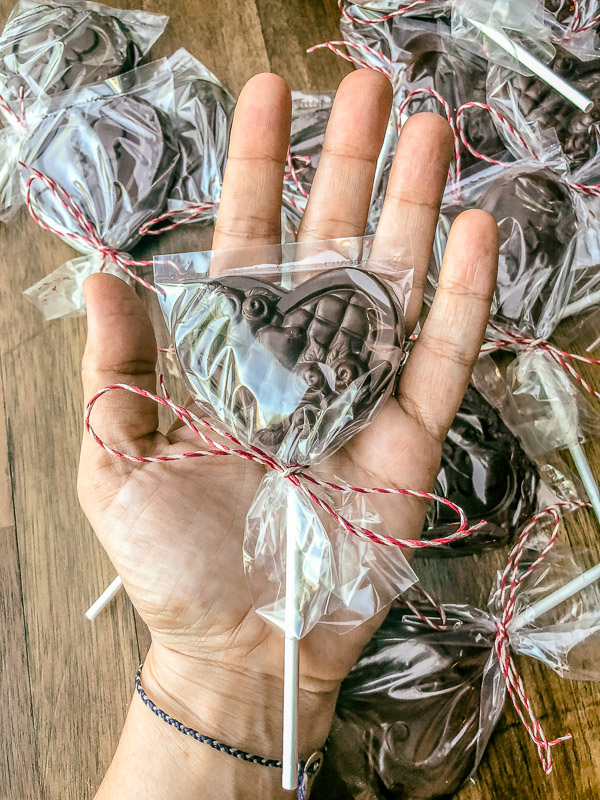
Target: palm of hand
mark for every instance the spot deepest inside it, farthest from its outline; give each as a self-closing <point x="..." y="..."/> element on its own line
<point x="174" y="530"/>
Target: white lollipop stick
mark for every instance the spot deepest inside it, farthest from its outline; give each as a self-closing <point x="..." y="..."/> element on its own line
<point x="565" y="414"/>
<point x="556" y="598"/>
<point x="580" y="305"/>
<point x="104" y="599"/>
<point x="293" y="631"/>
<point x="535" y="65"/>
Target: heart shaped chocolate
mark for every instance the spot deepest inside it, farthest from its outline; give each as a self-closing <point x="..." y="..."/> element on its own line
<point x="292" y="372"/>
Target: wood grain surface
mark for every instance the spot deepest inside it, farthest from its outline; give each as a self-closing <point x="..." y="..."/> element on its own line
<point x="65" y="683"/>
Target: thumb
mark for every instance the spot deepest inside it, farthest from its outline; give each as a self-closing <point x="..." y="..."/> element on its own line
<point x="120" y="348"/>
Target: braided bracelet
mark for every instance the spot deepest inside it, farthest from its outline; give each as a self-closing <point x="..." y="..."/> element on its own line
<point x="307" y="770"/>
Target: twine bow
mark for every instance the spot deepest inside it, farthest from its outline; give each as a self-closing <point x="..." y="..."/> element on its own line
<point x="510" y="584"/>
<point x="519" y="340"/>
<point x="295" y="474"/>
<point x="87" y="236"/>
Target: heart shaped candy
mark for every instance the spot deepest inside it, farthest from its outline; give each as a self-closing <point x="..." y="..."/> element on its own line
<point x="294" y="372"/>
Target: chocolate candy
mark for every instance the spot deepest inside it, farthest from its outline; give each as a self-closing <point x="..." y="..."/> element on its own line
<point x="578" y="132"/>
<point x="292" y="371"/>
<point x="58" y="47"/>
<point x="202" y="121"/>
<point x="113" y="156"/>
<point x="438" y="63"/>
<point x="486" y="472"/>
<point x="408" y="714"/>
<point x="537" y="225"/>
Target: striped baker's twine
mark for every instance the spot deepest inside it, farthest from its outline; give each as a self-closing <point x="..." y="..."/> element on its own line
<point x="510" y="339"/>
<point x="388" y="65"/>
<point x="88" y="234"/>
<point x="578" y="26"/>
<point x="295" y="474"/>
<point x="590" y="189"/>
<point x="509" y="586"/>
<point x="11" y="115"/>
<point x="176" y="217"/>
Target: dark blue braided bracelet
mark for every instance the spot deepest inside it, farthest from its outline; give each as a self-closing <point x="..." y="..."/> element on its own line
<point x="306" y="769"/>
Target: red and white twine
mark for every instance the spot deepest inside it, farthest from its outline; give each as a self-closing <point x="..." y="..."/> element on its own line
<point x="176" y="217"/>
<point x="388" y="65"/>
<point x="577" y="25"/>
<point x="296" y="475"/>
<point x="10" y="113"/>
<point x="510" y="339"/>
<point x="88" y="235"/>
<point x="509" y="587"/>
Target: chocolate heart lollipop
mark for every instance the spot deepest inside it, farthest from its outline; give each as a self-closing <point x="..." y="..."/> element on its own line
<point x="292" y="372"/>
<point x="114" y="157"/>
<point x="58" y="47"/>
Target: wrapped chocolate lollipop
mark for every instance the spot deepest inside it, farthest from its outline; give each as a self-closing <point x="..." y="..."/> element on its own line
<point x="293" y="356"/>
<point x="541" y="220"/>
<point x="485" y="471"/>
<point x="431" y="71"/>
<point x="528" y="103"/>
<point x="51" y="46"/>
<point x="416" y="712"/>
<point x="97" y="167"/>
<point x="202" y="115"/>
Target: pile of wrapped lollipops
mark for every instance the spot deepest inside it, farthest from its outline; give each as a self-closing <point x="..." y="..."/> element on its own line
<point x="105" y="147"/>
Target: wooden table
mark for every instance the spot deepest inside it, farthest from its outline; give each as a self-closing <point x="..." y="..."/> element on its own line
<point x="65" y="683"/>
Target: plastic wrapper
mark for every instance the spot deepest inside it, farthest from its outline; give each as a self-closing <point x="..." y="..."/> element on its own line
<point x="527" y="102"/>
<point x="486" y="472"/>
<point x="576" y="25"/>
<point x="415" y="714"/>
<point x="521" y="20"/>
<point x="293" y="350"/>
<point x="544" y="424"/>
<point x="202" y="116"/>
<point x="111" y="154"/>
<point x="310" y="115"/>
<point x="427" y="58"/>
<point x="543" y="224"/>
<point x="51" y="46"/>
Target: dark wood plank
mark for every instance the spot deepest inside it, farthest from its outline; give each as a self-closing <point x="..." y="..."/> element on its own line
<point x="17" y="734"/>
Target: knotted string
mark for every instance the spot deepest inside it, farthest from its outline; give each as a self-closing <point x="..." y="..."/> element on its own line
<point x="387" y="69"/>
<point x="510" y="584"/>
<point x="295" y="474"/>
<point x="510" y="339"/>
<point x="509" y="587"/>
<point x="88" y="235"/>
<point x="577" y="25"/>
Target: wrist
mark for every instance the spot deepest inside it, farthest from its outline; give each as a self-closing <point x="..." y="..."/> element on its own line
<point x="241" y="708"/>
